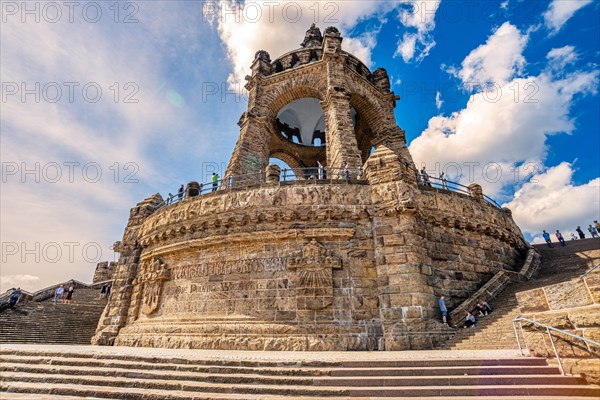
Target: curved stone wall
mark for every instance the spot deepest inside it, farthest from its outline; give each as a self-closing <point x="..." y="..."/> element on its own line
<point x="308" y="266"/>
<point x="288" y="267"/>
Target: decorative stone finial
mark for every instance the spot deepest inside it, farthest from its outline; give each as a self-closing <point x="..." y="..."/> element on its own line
<point x="332" y="31"/>
<point x="313" y="37"/>
<point x="263" y="55"/>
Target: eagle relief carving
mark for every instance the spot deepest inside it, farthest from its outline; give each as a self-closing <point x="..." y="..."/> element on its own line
<point x="314" y="276"/>
<point x="151" y="282"/>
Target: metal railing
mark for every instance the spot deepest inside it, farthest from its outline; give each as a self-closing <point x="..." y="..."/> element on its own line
<point x="323" y="175"/>
<point x="588" y="271"/>
<point x="549" y="330"/>
<point x="445" y="184"/>
<point x="315" y="174"/>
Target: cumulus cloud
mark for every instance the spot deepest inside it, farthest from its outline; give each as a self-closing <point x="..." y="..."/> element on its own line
<point x="56" y="203"/>
<point x="279" y="28"/>
<point x="19" y="280"/>
<point x="560" y="11"/>
<point x="498" y="139"/>
<point x="419" y="18"/>
<point x="248" y="26"/>
<point x="551" y="201"/>
<point x="498" y="60"/>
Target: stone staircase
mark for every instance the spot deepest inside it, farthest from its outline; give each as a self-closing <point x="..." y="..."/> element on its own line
<point x="128" y="375"/>
<point x="559" y="264"/>
<point x="44" y="322"/>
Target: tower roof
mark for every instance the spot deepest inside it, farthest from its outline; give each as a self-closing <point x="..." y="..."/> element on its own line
<point x="313" y="37"/>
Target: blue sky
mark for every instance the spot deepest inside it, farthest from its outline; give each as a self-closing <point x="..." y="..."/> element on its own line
<point x="505" y="86"/>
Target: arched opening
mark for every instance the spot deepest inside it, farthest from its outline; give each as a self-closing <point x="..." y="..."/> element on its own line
<point x="286" y="169"/>
<point x="302" y="121"/>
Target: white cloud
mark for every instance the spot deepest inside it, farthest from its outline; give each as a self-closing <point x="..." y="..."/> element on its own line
<point x="506" y="126"/>
<point x="560" y="11"/>
<point x="37" y="213"/>
<point x="19" y="280"/>
<point x="419" y="15"/>
<point x="277" y="32"/>
<point x="438" y="100"/>
<point x="561" y="57"/>
<point x="551" y="201"/>
<point x="498" y="60"/>
<point x="406" y="48"/>
<point x="281" y="28"/>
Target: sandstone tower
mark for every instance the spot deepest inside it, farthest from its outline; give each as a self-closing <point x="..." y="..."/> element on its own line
<point x="332" y="259"/>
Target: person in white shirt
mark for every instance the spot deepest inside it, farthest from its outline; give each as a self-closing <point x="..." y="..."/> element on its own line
<point x="58" y="293"/>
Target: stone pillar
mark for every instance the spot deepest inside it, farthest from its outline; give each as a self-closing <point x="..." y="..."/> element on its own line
<point x="406" y="298"/>
<point x="476" y="191"/>
<point x="273" y="174"/>
<point x="251" y="153"/>
<point x="114" y="316"/>
<point x="192" y="189"/>
<point x="342" y="146"/>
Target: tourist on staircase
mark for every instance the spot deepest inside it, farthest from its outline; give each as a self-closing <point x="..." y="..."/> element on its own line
<point x="483" y="308"/>
<point x="58" y="293"/>
<point x="15" y="296"/>
<point x="102" y="292"/>
<point x="469" y="321"/>
<point x="443" y="309"/>
<point x="69" y="298"/>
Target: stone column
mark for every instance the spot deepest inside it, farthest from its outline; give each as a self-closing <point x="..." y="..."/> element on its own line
<point x="342" y="146"/>
<point x="476" y="191"/>
<point x="251" y="154"/>
<point x="114" y="316"/>
<point x="406" y="298"/>
<point x="273" y="174"/>
<point x="341" y="140"/>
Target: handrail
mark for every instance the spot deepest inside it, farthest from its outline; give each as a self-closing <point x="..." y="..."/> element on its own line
<point x="588" y="271"/>
<point x="320" y="174"/>
<point x="444" y="184"/>
<point x="549" y="328"/>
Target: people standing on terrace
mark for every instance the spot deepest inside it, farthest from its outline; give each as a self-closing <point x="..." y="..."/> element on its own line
<point x="425" y="177"/>
<point x="560" y="238"/>
<point x="593" y="231"/>
<point x="215" y="181"/>
<point x="546" y="236"/>
<point x="580" y="232"/>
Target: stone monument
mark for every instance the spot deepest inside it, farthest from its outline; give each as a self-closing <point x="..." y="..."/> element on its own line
<point x="351" y="254"/>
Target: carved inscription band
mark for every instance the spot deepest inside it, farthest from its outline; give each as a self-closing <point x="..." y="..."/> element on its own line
<point x="229" y="267"/>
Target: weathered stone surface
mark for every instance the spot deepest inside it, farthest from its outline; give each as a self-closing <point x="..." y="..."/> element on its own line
<point x="321" y="263"/>
<point x="532" y="301"/>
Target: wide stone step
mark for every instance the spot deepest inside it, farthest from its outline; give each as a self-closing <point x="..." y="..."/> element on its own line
<point x="101" y="387"/>
<point x="72" y="357"/>
<point x="269" y="376"/>
<point x="27" y="396"/>
<point x="182" y="385"/>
